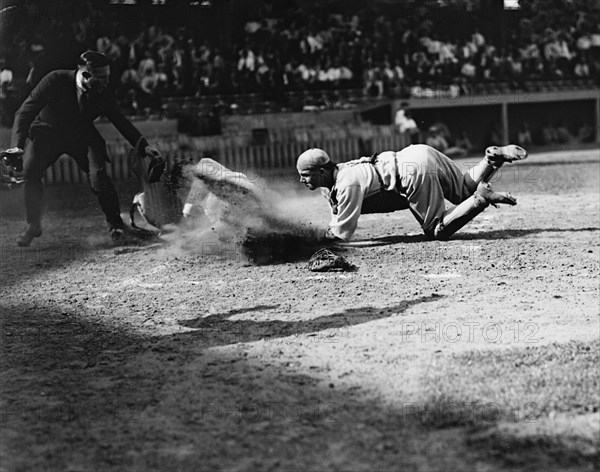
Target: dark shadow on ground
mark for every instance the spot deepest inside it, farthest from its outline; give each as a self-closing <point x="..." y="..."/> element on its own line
<point x="389" y="240"/>
<point x="527" y="164"/>
<point x="496" y="234"/>
<point x="216" y="330"/>
<point x="82" y="394"/>
<point x="518" y="233"/>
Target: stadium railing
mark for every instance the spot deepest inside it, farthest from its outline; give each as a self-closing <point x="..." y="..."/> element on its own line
<point x="270" y="159"/>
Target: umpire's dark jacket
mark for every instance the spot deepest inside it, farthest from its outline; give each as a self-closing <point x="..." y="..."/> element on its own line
<point x="52" y="111"/>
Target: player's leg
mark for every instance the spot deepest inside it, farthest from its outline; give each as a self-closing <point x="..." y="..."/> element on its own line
<point x="427" y="203"/>
<point x="495" y="157"/>
<point x="457" y="217"/>
<point x="40" y="153"/>
<point x="418" y="168"/>
<point x="436" y="171"/>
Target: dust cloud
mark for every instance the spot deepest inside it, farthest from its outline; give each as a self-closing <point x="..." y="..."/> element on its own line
<point x="251" y="222"/>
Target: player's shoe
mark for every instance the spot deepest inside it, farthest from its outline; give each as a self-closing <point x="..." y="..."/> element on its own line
<point x="118" y="237"/>
<point x="25" y="238"/>
<point x="508" y="153"/>
<point x="485" y="190"/>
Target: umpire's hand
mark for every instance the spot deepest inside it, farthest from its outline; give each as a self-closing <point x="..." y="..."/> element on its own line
<point x="13" y="157"/>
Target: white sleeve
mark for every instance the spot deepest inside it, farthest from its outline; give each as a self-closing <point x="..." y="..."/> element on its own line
<point x="349" y="200"/>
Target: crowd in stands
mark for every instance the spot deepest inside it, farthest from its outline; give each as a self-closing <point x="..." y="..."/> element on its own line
<point x="310" y="48"/>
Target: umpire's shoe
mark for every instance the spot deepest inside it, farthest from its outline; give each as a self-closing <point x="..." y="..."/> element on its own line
<point x="501" y="154"/>
<point x="25" y="238"/>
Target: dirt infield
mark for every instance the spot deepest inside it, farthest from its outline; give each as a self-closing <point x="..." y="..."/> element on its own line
<point x="480" y="353"/>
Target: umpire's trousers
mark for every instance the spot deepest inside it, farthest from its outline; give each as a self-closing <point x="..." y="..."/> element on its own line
<point x="44" y="149"/>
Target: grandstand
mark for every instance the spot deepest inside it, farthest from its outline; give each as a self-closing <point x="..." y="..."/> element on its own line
<point x="201" y="63"/>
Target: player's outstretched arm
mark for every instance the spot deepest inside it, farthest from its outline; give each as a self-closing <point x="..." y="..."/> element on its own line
<point x="345" y="219"/>
<point x="37" y="99"/>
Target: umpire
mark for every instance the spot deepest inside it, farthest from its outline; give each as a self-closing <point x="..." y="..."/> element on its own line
<point x="58" y="117"/>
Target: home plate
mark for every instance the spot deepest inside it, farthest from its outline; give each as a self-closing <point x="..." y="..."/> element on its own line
<point x="446" y="275"/>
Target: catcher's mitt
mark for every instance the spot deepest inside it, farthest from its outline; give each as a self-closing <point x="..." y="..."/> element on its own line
<point x="9" y="176"/>
<point x="324" y="260"/>
<point x="13" y="158"/>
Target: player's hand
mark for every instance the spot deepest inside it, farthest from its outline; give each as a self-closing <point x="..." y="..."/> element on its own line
<point x="151" y="152"/>
<point x="13" y="157"/>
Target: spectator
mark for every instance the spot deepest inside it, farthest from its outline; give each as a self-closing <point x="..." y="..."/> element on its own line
<point x="497" y="135"/>
<point x="369" y="48"/>
<point x="463" y="142"/>
<point x="147" y="65"/>
<point x="110" y="49"/>
<point x="531" y="57"/>
<point x="549" y="134"/>
<point x="149" y="97"/>
<point x="346" y="74"/>
<point x="583" y="43"/>
<point x="314" y="42"/>
<point x="6" y="80"/>
<point x="469" y="70"/>
<point x="442" y="128"/>
<point x="585" y="133"/>
<point x="130" y="79"/>
<point x="524" y="134"/>
<point x="246" y="68"/>
<point x="307" y="74"/>
<point x="447" y="56"/>
<point x="8" y="100"/>
<point x="404" y="121"/>
<point x="582" y="68"/>
<point x="477" y="39"/>
<point x="563" y="135"/>
<point x="595" y="42"/>
<point x="373" y="80"/>
<point x="436" y="140"/>
<point x="263" y="73"/>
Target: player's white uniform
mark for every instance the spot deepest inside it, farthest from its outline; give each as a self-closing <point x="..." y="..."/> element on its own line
<point x="422" y="175"/>
<point x="357" y="190"/>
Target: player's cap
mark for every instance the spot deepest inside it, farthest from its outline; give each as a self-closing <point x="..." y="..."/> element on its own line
<point x="311" y="159"/>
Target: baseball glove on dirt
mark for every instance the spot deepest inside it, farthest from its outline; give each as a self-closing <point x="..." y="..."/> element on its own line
<point x="324" y="260"/>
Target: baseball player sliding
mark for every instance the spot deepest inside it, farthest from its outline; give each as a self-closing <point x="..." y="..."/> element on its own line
<point x="418" y="178"/>
<point x="58" y="117"/>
